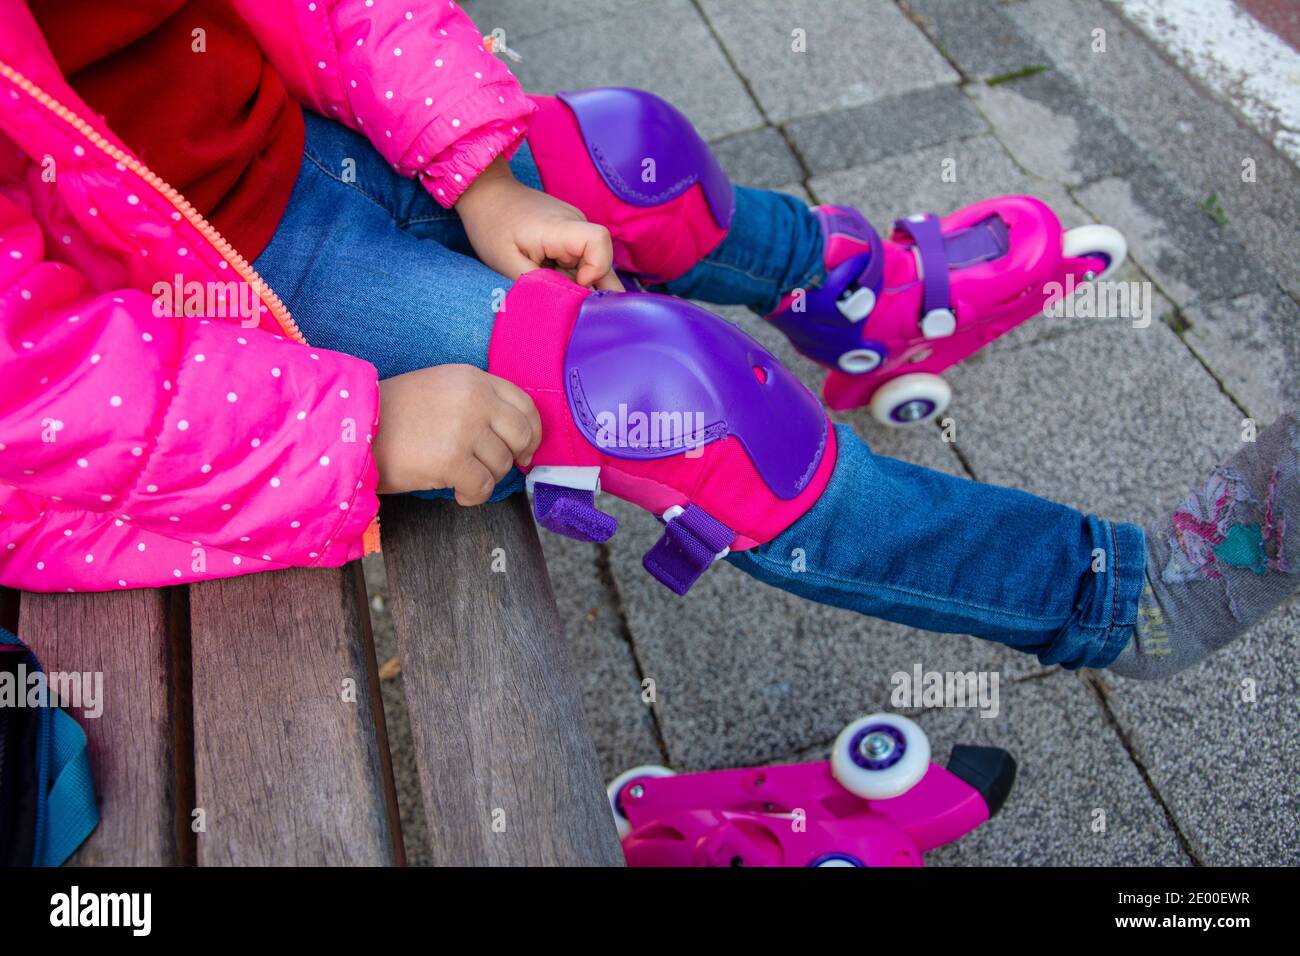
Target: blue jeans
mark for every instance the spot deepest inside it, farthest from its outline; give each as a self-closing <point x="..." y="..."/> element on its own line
<point x="372" y="266"/>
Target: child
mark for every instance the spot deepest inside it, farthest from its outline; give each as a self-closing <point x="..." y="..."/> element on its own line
<point x="139" y="449"/>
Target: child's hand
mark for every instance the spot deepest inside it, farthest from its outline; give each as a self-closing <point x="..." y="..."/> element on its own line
<point x="515" y="230"/>
<point x="452" y="426"/>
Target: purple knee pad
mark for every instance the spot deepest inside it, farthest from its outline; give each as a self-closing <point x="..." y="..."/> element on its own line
<point x="631" y="162"/>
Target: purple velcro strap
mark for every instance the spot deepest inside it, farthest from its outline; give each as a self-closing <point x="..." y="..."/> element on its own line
<point x="928" y="237"/>
<point x="572" y="512"/>
<point x="690" y="543"/>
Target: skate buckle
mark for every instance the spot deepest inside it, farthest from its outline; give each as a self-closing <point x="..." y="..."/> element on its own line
<point x="692" y="540"/>
<point x="578" y="477"/>
<point x="856" y="305"/>
<point x="938" y="323"/>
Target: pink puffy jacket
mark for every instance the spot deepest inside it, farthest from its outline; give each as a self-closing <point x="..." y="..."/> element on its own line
<point x="139" y="449"/>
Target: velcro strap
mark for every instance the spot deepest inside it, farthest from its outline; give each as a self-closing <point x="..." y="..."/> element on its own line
<point x="691" y="542"/>
<point x="928" y="239"/>
<point x="572" y="512"/>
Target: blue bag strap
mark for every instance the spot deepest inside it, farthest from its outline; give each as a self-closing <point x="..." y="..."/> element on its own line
<point x="71" y="810"/>
<point x="66" y="811"/>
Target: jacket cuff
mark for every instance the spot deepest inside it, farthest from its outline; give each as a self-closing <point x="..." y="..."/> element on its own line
<point x="447" y="173"/>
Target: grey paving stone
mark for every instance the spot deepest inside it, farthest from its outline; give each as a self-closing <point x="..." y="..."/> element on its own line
<point x="976" y="36"/>
<point x="1175" y="241"/>
<point x="913" y="182"/>
<point x="758" y="158"/>
<point x="887" y="127"/>
<point x="1122" y="425"/>
<point x="856" y="51"/>
<point x="1102" y="416"/>
<point x="744" y="672"/>
<point x="663" y="46"/>
<point x="1253" y="344"/>
<point x="1224" y="764"/>
<point x="1070" y="765"/>
<point x="1047" y="123"/>
<point x="621" y="723"/>
<point x="1200" y="142"/>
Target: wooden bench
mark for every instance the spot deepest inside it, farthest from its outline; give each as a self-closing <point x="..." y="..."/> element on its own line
<point x="242" y="720"/>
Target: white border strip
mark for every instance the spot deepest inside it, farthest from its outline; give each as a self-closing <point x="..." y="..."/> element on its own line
<point x="1234" y="55"/>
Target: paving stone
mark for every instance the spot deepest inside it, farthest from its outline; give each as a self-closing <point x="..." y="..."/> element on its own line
<point x="758" y="158"/>
<point x="1224" y="764"/>
<point x="887" y="127"/>
<point x="1113" y="419"/>
<point x="856" y="51"/>
<point x="1070" y="765"/>
<point x="1047" y="123"/>
<point x="1123" y="425"/>
<point x="1253" y="344"/>
<point x="901" y="185"/>
<point x="1200" y="143"/>
<point x="1177" y="243"/>
<point x="744" y="672"/>
<point x="662" y="46"/>
<point x="621" y="723"/>
<point x="976" y="36"/>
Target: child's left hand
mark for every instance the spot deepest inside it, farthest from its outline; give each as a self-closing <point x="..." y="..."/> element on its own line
<point x="515" y="229"/>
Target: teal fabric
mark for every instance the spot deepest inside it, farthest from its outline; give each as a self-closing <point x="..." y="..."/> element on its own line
<point x="66" y="811"/>
<point x="71" y="810"/>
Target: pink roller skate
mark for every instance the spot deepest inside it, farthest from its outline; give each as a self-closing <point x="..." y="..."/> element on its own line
<point x="879" y="801"/>
<point x="895" y="313"/>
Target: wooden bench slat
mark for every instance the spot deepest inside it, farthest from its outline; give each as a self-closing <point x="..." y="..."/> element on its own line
<point x="133" y="743"/>
<point x="507" y="768"/>
<point x="286" y="770"/>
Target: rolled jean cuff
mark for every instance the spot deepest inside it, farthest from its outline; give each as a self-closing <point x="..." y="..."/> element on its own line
<point x="511" y="484"/>
<point x="1108" y="606"/>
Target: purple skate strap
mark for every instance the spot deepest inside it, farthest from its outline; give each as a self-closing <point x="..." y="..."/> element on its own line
<point x="928" y="237"/>
<point x="572" y="512"/>
<point x="983" y="242"/>
<point x="691" y="542"/>
<point x="847" y="221"/>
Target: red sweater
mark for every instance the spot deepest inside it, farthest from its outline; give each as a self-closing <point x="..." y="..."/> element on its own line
<point x="204" y="110"/>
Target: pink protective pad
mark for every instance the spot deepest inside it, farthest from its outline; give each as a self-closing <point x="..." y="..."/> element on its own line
<point x="528" y="347"/>
<point x="658" y="242"/>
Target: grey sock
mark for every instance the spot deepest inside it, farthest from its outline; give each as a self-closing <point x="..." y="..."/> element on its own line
<point x="1223" y="559"/>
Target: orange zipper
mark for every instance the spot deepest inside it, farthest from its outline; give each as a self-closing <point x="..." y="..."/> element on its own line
<point x="267" y="295"/>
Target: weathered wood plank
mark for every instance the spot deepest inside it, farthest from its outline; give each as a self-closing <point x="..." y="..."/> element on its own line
<point x="122" y="635"/>
<point x="507" y="768"/>
<point x="291" y="762"/>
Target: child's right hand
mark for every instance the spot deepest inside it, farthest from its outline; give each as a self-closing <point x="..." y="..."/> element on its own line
<point x="452" y="426"/>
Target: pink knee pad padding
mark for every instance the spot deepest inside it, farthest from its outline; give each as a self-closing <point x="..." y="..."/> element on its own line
<point x="634" y="164"/>
<point x="759" y="454"/>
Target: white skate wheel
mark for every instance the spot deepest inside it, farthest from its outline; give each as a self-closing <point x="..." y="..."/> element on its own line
<point x="1104" y="241"/>
<point x="622" y="780"/>
<point x="910" y="399"/>
<point x="880" y="756"/>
